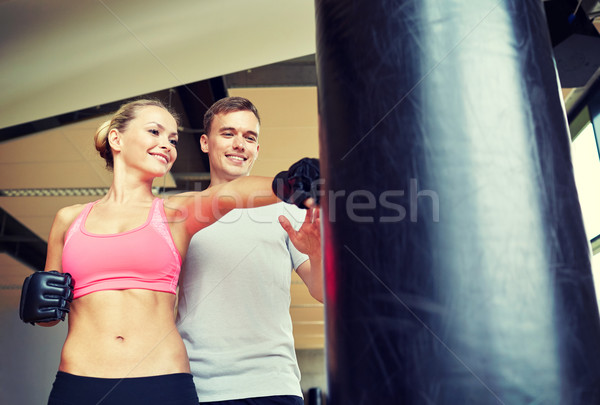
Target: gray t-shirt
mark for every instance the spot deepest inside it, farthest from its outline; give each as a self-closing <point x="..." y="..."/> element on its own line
<point x="234" y="299"/>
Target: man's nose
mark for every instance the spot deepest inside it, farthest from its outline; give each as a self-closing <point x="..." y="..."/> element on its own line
<point x="239" y="142"/>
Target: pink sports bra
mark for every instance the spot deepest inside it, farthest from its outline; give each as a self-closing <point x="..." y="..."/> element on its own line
<point x="144" y="257"/>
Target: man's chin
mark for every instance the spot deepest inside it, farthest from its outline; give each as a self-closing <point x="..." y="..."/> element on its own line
<point x="239" y="171"/>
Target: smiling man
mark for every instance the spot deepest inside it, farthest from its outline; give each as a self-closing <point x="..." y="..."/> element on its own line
<point x="235" y="287"/>
<point x="231" y="141"/>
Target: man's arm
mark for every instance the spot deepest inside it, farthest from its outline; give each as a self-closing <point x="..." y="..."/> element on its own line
<point x="308" y="241"/>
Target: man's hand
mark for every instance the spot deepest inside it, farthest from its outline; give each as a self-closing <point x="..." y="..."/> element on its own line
<point x="307" y="239"/>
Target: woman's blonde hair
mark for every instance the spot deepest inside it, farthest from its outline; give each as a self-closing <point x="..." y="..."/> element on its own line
<point x="119" y="121"/>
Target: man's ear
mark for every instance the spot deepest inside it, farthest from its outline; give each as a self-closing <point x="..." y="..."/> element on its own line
<point x="114" y="139"/>
<point x="204" y="143"/>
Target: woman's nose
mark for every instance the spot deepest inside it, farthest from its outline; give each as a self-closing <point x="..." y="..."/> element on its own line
<point x="165" y="143"/>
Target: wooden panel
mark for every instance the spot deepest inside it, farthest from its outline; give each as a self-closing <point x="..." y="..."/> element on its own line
<point x="307" y="314"/>
<point x="309" y="342"/>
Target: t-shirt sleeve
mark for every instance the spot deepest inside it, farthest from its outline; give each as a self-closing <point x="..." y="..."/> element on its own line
<point x="297" y="257"/>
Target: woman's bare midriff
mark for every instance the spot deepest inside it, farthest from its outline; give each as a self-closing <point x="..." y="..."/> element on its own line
<point x="123" y="333"/>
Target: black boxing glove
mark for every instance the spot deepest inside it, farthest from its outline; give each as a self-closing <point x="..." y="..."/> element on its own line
<point x="299" y="182"/>
<point x="46" y="296"/>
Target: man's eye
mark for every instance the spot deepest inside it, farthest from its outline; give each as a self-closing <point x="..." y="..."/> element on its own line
<point x="227" y="134"/>
<point x="251" y="138"/>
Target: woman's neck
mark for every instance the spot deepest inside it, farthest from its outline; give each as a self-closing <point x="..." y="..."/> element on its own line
<point x="124" y="192"/>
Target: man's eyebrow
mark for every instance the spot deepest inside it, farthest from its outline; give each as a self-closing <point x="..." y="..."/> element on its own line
<point x="235" y="130"/>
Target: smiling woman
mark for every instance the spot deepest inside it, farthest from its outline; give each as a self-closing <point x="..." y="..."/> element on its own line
<point x="123" y="253"/>
<point x="149" y="122"/>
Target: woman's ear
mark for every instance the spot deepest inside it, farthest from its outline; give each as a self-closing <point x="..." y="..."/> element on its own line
<point x="204" y="143"/>
<point x="114" y="139"/>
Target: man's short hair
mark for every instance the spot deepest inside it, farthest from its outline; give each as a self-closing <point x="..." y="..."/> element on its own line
<point x="227" y="105"/>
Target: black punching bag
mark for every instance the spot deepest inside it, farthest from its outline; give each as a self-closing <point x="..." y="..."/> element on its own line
<point x="457" y="268"/>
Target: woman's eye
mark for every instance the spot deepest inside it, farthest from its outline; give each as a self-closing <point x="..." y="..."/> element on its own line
<point x="173" y="142"/>
<point x="153" y="131"/>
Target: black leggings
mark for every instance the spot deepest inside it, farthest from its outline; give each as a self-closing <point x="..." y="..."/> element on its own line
<point x="272" y="400"/>
<point x="169" y="389"/>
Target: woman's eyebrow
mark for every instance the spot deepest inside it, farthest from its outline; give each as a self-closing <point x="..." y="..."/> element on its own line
<point x="162" y="127"/>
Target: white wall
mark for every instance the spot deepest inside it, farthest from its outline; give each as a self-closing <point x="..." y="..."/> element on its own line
<point x="29" y="355"/>
<point x="313" y="370"/>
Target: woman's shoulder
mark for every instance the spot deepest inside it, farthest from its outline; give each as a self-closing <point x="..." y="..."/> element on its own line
<point x="62" y="221"/>
<point x="66" y="215"/>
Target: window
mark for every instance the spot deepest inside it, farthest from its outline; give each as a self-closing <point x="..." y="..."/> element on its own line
<point x="586" y="165"/>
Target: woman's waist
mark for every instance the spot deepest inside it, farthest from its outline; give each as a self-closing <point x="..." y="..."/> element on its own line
<point x="122" y="320"/>
<point x="115" y="353"/>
